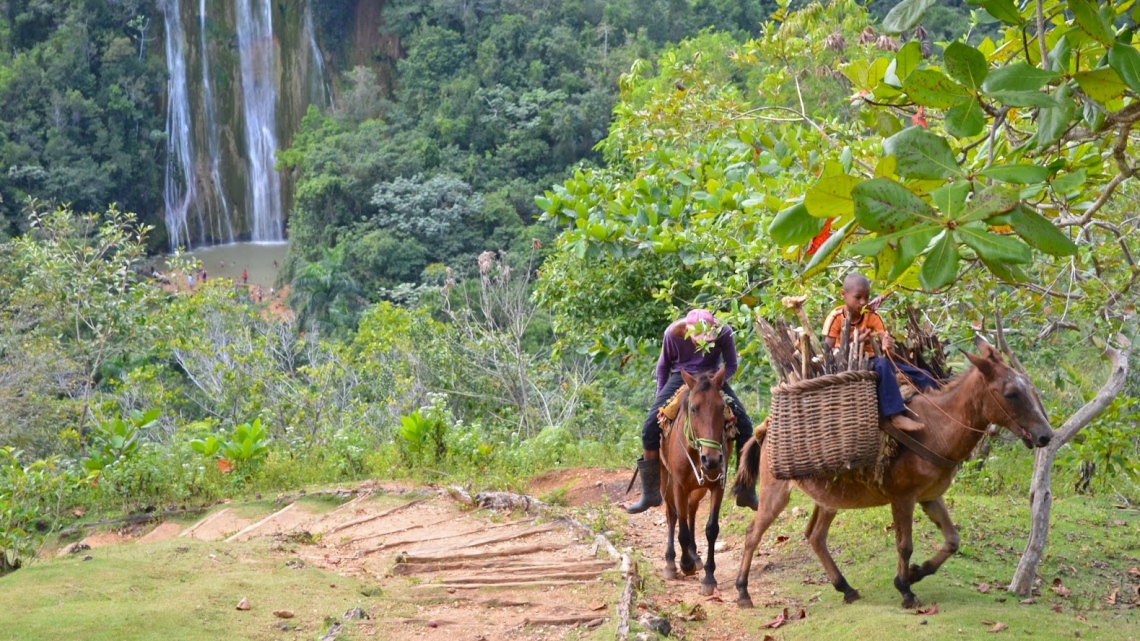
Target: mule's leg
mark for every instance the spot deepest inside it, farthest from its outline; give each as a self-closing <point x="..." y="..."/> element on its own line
<point x="773" y="499"/>
<point x="902" y="511"/>
<point x="712" y="530"/>
<point x="670" y="550"/>
<point x="937" y="512"/>
<point x="695" y="498"/>
<point x="818" y="527"/>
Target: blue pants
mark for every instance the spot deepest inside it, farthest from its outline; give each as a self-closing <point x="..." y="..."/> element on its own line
<point x="890" y="398"/>
<point x="651" y="431"/>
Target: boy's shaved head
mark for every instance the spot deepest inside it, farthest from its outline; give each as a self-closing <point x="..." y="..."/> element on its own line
<point x="856" y="282"/>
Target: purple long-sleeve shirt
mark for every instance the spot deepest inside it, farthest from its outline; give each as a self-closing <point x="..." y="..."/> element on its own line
<point x="679" y="353"/>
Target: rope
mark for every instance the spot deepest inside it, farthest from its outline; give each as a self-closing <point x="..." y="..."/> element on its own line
<point x="918" y="390"/>
<point x="691" y="443"/>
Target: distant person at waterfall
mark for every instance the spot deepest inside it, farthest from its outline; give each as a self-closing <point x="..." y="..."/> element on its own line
<point x="274" y="264"/>
<point x="190" y="280"/>
<point x="244" y="276"/>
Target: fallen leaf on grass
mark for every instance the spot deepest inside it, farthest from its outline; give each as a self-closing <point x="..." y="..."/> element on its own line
<point x="1057" y="608"/>
<point x="283" y="614"/>
<point x="780" y="539"/>
<point x="696" y="613"/>
<point x="1028" y="601"/>
<point x="780" y="620"/>
<point x="243" y="604"/>
<point x="999" y="626"/>
<point x="984" y="588"/>
<point x="933" y="609"/>
<point x="1113" y="597"/>
<point x="1082" y="619"/>
<point x="768" y="637"/>
<point x="1060" y="588"/>
<point x="1134" y="571"/>
<point x="597" y="605"/>
<point x="715" y="596"/>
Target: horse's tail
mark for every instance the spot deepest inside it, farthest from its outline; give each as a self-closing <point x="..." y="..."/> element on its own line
<point x="748" y="467"/>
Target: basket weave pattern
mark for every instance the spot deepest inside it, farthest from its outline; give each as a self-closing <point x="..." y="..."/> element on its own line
<point x="824" y="425"/>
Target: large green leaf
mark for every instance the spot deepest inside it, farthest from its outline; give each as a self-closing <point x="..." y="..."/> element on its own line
<point x="1125" y="61"/>
<point x="1042" y="234"/>
<point x="831" y="197"/>
<point x="823" y="257"/>
<point x="965" y="119"/>
<point x="921" y="154"/>
<point x="1023" y="98"/>
<point x="885" y="206"/>
<point x="990" y="246"/>
<point x="794" y="226"/>
<point x="941" y="264"/>
<point x="1005" y="271"/>
<point x="1017" y="173"/>
<point x="931" y="88"/>
<point x="1102" y="85"/>
<point x="904" y="15"/>
<point x="1090" y="22"/>
<point x="965" y="64"/>
<point x="950" y="199"/>
<point x="1017" y="77"/>
<point x="869" y="246"/>
<point x="1004" y="10"/>
<point x="1052" y="122"/>
<point x="911" y="246"/>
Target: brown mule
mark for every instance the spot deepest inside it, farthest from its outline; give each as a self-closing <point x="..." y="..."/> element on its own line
<point x="955" y="418"/>
<point x="694" y="462"/>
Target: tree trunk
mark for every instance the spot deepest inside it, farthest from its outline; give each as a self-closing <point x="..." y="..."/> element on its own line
<point x="1040" y="492"/>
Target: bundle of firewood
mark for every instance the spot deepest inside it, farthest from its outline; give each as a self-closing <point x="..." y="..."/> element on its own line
<point x="797" y="354"/>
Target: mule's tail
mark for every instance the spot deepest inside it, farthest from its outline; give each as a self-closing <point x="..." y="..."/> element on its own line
<point x="748" y="467"/>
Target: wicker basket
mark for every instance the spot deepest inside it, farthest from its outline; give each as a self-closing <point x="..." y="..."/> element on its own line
<point x="824" y="425"/>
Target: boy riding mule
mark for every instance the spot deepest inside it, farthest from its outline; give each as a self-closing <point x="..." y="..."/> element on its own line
<point x="953" y="419"/>
<point x="694" y="462"/>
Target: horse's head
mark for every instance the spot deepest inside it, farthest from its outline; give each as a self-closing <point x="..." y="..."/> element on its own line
<point x="1010" y="400"/>
<point x="706" y="417"/>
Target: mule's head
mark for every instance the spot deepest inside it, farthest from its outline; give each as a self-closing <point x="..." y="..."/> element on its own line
<point x="706" y="416"/>
<point x="1010" y="399"/>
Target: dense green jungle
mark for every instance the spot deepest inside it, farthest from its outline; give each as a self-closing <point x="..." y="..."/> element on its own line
<point x="495" y="207"/>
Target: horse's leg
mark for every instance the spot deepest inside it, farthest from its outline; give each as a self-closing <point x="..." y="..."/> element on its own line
<point x="774" y="496"/>
<point x="694" y="503"/>
<point x="670" y="550"/>
<point x="712" y="530"/>
<point x="937" y="512"/>
<point x="818" y="527"/>
<point x="902" y="511"/>
<point x="688" y="565"/>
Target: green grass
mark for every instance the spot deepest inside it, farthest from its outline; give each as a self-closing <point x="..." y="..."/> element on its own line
<point x="178" y="589"/>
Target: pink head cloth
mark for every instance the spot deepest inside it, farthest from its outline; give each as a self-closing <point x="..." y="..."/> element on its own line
<point x="698" y="316"/>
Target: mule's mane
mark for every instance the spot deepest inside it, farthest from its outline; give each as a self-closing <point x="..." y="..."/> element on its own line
<point x="952" y="384"/>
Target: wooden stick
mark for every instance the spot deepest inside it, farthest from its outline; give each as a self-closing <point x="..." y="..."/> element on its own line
<point x="489" y="540"/>
<point x="474" y="586"/>
<point x="845" y="342"/>
<point x="212" y="517"/>
<point x="629" y="569"/>
<point x="391" y="544"/>
<point x="587" y="618"/>
<point x="516" y="551"/>
<point x="403" y="569"/>
<point x="508" y="577"/>
<point x="605" y="544"/>
<point x="399" y="530"/>
<point x="250" y="528"/>
<point x="378" y="515"/>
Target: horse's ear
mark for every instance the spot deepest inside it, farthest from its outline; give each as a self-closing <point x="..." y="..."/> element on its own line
<point x="689" y="380"/>
<point x="985" y="349"/>
<point x="982" y="362"/>
<point x="718" y="378"/>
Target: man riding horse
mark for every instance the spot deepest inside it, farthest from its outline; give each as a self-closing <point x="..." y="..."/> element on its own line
<point x="693" y="344"/>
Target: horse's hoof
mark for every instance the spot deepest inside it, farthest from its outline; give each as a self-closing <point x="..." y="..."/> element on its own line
<point x="744" y="603"/>
<point x="698" y="565"/>
<point x="670" y="574"/>
<point x="911" y="602"/>
<point x="852" y="596"/>
<point x="688" y="571"/>
<point x="707" y="589"/>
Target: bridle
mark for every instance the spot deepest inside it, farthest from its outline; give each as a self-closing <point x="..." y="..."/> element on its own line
<point x="693" y="442"/>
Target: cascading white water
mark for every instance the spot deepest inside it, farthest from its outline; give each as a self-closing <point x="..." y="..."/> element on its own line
<point x="259" y="97"/>
<point x="225" y="230"/>
<point x="178" y="183"/>
<point x="321" y="79"/>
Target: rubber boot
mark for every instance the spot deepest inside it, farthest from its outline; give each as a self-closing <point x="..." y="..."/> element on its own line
<point x="745" y="495"/>
<point x="650" y="472"/>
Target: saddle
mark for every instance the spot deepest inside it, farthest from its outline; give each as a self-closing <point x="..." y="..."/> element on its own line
<point x="667" y="415"/>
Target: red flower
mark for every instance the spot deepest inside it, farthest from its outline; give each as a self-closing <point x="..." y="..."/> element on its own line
<point x="820" y="239"/>
<point x="919" y="118"/>
<point x="225" y="466"/>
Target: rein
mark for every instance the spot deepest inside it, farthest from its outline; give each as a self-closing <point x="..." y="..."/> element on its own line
<point x="692" y="442"/>
<point x="938" y="407"/>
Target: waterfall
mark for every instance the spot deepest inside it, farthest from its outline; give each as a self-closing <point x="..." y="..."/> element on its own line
<point x="321" y="78"/>
<point x="212" y="149"/>
<point x="178" y="182"/>
<point x="259" y="97"/>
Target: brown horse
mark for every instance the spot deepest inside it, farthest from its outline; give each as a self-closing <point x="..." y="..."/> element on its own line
<point x="694" y="463"/>
<point x="955" y="418"/>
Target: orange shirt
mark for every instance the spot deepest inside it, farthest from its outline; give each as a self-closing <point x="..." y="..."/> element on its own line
<point x="870" y="323"/>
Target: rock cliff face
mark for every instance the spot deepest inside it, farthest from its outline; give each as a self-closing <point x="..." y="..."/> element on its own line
<point x="241" y="74"/>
